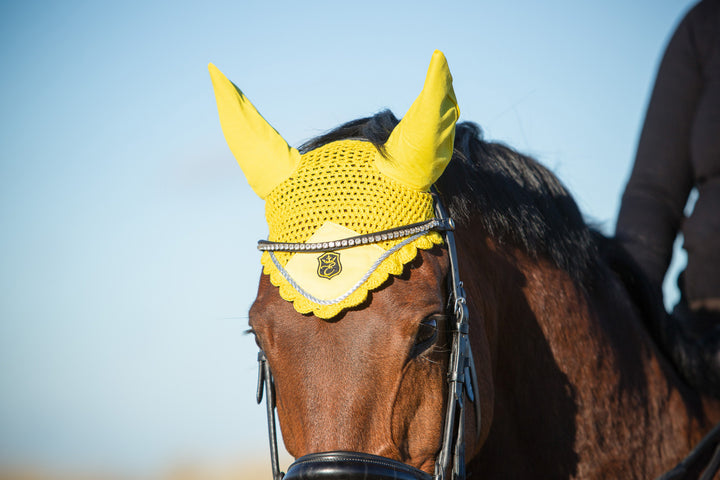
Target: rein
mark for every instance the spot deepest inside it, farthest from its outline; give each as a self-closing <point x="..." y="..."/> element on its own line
<point x="461" y="378"/>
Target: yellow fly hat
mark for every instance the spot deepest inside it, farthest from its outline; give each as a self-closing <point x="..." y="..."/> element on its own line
<point x="342" y="190"/>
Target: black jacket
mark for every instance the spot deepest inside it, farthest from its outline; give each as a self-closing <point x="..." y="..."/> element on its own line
<point x="679" y="150"/>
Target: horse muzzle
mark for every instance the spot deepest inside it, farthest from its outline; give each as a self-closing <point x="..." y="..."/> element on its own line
<point x="351" y="466"/>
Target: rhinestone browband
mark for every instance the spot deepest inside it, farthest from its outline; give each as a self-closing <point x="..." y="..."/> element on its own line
<point x="440" y="224"/>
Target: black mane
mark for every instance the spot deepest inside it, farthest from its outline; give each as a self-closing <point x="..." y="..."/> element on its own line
<point x="517" y="201"/>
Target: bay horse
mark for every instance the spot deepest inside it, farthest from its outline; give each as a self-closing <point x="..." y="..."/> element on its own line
<point x="565" y="378"/>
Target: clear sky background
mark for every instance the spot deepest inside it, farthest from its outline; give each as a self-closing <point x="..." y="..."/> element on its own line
<point x="127" y="231"/>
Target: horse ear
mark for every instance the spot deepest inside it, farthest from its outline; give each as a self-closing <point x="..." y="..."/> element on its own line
<point x="421" y="145"/>
<point x="265" y="158"/>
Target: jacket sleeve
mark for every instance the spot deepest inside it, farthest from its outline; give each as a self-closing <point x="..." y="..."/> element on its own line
<point x="651" y="210"/>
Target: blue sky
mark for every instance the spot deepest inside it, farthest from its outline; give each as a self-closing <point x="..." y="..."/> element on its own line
<point x="128" y="239"/>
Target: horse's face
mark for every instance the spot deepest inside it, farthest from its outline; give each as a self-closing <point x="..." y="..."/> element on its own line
<point x="372" y="380"/>
<point x="354" y="333"/>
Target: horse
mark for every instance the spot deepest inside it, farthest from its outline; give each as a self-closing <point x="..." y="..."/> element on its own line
<point x="542" y="363"/>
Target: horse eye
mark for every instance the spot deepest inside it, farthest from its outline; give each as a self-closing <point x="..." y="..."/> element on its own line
<point x="250" y="331"/>
<point x="427" y="333"/>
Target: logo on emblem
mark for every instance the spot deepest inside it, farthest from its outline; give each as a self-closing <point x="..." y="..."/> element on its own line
<point x="329" y="265"/>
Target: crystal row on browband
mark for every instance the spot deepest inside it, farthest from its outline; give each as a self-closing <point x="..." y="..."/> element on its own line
<point x="440" y="224"/>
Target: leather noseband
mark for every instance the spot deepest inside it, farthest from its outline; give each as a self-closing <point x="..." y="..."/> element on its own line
<point x="351" y="466"/>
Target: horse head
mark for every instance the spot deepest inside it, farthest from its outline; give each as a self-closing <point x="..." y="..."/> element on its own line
<point x="359" y="313"/>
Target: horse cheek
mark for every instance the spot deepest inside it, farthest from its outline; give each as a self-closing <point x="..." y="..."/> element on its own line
<point x="418" y="413"/>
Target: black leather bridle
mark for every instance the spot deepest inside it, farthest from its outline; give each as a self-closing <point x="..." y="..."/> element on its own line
<point x="461" y="378"/>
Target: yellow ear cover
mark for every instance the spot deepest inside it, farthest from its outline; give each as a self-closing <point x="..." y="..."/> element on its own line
<point x="264" y="156"/>
<point x="421" y="145"/>
<point x="343" y="189"/>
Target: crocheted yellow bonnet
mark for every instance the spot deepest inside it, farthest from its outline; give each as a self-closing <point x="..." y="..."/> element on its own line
<point x="345" y="189"/>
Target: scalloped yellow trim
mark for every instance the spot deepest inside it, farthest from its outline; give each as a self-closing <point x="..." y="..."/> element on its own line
<point x="393" y="265"/>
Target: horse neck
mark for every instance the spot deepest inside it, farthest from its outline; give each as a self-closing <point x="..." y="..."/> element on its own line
<point x="573" y="369"/>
